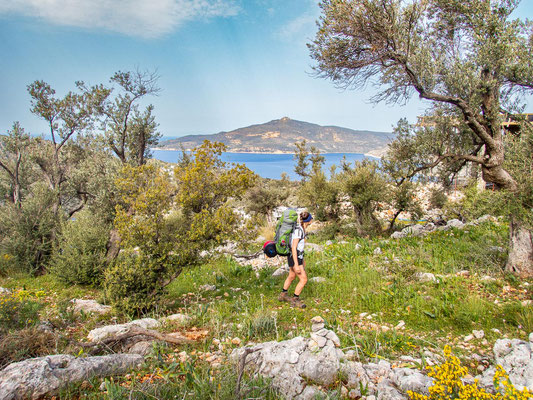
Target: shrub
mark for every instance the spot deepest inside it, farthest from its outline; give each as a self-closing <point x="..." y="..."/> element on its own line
<point x="26" y="232"/>
<point x="79" y="252"/>
<point x="134" y="282"/>
<point x="448" y="383"/>
<point x="476" y="203"/>
<point x="437" y="198"/>
<point x="18" y="310"/>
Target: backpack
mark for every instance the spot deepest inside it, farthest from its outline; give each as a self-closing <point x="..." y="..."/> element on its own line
<point x="284" y="229"/>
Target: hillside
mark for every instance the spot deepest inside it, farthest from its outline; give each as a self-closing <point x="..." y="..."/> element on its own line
<point x="279" y="136"/>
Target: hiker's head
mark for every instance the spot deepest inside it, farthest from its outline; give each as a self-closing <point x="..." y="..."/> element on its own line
<point x="305" y="218"/>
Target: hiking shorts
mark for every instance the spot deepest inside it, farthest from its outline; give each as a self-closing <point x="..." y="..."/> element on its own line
<point x="290" y="260"/>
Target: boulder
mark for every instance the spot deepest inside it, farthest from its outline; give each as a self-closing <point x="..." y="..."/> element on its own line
<point x="104" y="332"/>
<point x="280" y="272"/>
<point x="89" y="307"/>
<point x="175" y="318"/>
<point x="44" y="376"/>
<point x="515" y="356"/>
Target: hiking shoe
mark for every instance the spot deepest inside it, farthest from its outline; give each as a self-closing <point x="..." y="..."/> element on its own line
<point x="297" y="303"/>
<point x="284" y="296"/>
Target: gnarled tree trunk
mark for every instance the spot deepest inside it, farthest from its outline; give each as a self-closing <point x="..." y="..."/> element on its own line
<point x="520" y="260"/>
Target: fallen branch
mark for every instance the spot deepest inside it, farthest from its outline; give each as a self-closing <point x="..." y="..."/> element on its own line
<point x="247" y="256"/>
<point x="132" y="332"/>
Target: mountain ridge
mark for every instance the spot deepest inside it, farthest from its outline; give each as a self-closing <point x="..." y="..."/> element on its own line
<point x="279" y="136"/>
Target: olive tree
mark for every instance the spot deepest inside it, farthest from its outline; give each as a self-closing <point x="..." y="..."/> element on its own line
<point x="467" y="57"/>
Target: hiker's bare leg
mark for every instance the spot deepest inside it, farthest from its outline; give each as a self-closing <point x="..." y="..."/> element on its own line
<point x="302" y="276"/>
<point x="289" y="279"/>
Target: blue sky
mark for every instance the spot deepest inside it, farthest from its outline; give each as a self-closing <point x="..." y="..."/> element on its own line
<point x="224" y="64"/>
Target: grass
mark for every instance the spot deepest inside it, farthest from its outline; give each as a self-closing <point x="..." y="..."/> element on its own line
<point x="366" y="296"/>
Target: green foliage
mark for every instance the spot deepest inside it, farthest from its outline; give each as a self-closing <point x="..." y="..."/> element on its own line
<point x="26" y="232"/>
<point x="520" y="164"/>
<point x="134" y="282"/>
<point x="437" y="197"/>
<point x="80" y="250"/>
<point x="321" y="196"/>
<point x="18" y="310"/>
<point x="365" y="187"/>
<point x="266" y="195"/>
<point x="205" y="182"/>
<point x="130" y="133"/>
<point x="475" y="203"/>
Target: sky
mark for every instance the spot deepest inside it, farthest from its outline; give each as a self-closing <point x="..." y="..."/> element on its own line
<point x="223" y="64"/>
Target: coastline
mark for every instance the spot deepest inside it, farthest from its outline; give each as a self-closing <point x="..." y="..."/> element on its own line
<point x="268" y="152"/>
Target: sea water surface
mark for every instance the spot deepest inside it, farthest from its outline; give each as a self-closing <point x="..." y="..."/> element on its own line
<point x="267" y="165"/>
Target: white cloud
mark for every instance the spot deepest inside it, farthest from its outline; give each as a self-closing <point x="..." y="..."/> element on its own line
<point x="145" y="18"/>
<point x="303" y="26"/>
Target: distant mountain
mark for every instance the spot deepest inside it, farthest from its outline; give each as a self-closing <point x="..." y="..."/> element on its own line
<point x="279" y="136"/>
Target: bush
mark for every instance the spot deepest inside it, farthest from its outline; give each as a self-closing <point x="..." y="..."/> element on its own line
<point x="476" y="203"/>
<point x="437" y="198"/>
<point x="448" y="383"/>
<point x="18" y="310"/>
<point x="133" y="283"/>
<point x="26" y="232"/>
<point x="80" y="250"/>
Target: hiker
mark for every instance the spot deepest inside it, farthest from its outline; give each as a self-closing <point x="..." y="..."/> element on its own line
<point x="297" y="262"/>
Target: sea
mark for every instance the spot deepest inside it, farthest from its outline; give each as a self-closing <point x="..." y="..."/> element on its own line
<point x="267" y="165"/>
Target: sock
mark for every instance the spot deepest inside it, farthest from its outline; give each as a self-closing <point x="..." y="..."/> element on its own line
<point x="296" y="295"/>
<point x="284" y="290"/>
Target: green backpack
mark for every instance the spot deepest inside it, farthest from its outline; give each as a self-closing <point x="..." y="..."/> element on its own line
<point x="284" y="229"/>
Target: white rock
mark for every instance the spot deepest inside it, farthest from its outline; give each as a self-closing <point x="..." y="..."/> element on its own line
<point x="425" y="277"/>
<point x="176" y="318"/>
<point x="44" y="376"/>
<point x="207" y="288"/>
<point x="455" y="223"/>
<point x="478" y="334"/>
<point x="320" y="340"/>
<point x="280" y="272"/>
<point x="468" y="338"/>
<point x="89" y="306"/>
<point x="142" y="348"/>
<point x="334" y="338"/>
<point x="112" y="330"/>
<point x="400" y="325"/>
<point x="317" y="279"/>
<point x="398" y="235"/>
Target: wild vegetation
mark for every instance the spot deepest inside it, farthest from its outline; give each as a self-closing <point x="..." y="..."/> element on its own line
<point x="86" y="213"/>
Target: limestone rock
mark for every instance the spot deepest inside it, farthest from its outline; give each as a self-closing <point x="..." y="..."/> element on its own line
<point x="112" y="330"/>
<point x="314" y="247"/>
<point x="89" y="306"/>
<point x="455" y="223"/>
<point x="37" y="377"/>
<point x="142" y="348"/>
<point x="175" y="318"/>
<point x="515" y="356"/>
<point x="317" y="279"/>
<point x="425" y="277"/>
<point x="280" y="272"/>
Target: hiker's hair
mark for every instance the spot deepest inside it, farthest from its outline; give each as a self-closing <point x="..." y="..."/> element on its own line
<point x="304" y="215"/>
